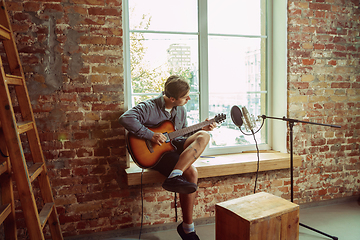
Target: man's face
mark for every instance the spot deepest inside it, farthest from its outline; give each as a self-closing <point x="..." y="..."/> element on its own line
<point x="181" y="101"/>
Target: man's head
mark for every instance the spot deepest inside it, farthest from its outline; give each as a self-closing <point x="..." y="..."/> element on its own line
<point x="176" y="87"/>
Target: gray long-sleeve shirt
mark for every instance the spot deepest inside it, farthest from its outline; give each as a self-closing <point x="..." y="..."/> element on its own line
<point x="149" y="114"/>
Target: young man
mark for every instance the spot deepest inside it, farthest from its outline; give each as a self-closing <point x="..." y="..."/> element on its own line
<point x="181" y="175"/>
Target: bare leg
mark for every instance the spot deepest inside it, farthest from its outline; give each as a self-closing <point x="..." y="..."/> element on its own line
<point x="187" y="200"/>
<point x="194" y="147"/>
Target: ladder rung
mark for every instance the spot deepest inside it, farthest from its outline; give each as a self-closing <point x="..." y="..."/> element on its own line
<point x="13" y="80"/>
<point x="4" y="33"/>
<point x="3" y="167"/>
<point x="35" y="170"/>
<point x="5" y="210"/>
<point x="35" y="220"/>
<point x="45" y="213"/>
<point x="24" y="126"/>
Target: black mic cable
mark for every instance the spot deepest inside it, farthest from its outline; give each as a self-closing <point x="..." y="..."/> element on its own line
<point x="258" y="162"/>
<point x="240" y="118"/>
<point x="250" y="124"/>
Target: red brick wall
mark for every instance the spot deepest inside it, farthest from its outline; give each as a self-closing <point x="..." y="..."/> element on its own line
<point x="71" y="51"/>
<point x="324" y="87"/>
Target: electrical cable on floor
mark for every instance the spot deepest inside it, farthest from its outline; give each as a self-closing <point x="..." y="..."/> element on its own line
<point x="142" y="203"/>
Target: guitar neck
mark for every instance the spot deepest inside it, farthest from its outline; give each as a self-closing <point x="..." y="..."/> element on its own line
<point x="190" y="129"/>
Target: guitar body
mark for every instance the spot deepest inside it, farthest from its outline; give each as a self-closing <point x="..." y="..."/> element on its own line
<point x="145" y="153"/>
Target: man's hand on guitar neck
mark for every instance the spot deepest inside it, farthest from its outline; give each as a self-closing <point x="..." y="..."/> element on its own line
<point x="209" y="127"/>
<point x="158" y="138"/>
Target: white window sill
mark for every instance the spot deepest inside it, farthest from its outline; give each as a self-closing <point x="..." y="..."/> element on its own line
<point x="221" y="165"/>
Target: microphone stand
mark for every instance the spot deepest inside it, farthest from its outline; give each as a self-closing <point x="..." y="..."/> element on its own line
<point x="291" y="125"/>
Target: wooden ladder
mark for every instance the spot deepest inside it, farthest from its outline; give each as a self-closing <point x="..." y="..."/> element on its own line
<point x="7" y="206"/>
<point x="17" y="127"/>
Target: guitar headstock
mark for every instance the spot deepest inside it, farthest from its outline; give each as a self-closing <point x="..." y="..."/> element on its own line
<point x="219" y="118"/>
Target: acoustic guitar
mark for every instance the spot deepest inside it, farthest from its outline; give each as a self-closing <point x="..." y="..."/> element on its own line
<point x="147" y="154"/>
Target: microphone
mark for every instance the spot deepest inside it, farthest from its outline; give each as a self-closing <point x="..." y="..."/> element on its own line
<point x="249" y="120"/>
<point x="242" y="117"/>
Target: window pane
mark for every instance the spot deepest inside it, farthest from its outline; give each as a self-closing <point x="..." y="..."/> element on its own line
<point x="235" y="78"/>
<point x="163" y="15"/>
<point x="235" y="17"/>
<point x="140" y="98"/>
<point x="154" y="57"/>
<point x="236" y="65"/>
<point x="192" y="108"/>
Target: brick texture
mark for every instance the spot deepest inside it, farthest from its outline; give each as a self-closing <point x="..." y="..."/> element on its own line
<point x="72" y="56"/>
<point x="323" y="85"/>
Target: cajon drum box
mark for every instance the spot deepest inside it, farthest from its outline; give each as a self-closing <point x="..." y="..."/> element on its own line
<point x="261" y="216"/>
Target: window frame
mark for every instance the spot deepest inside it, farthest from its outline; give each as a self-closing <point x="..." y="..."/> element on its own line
<point x="276" y="74"/>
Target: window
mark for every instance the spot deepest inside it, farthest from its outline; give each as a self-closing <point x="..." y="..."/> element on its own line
<point x="223" y="48"/>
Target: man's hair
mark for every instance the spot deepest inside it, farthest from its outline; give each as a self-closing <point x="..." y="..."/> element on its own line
<point x="176" y="87"/>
